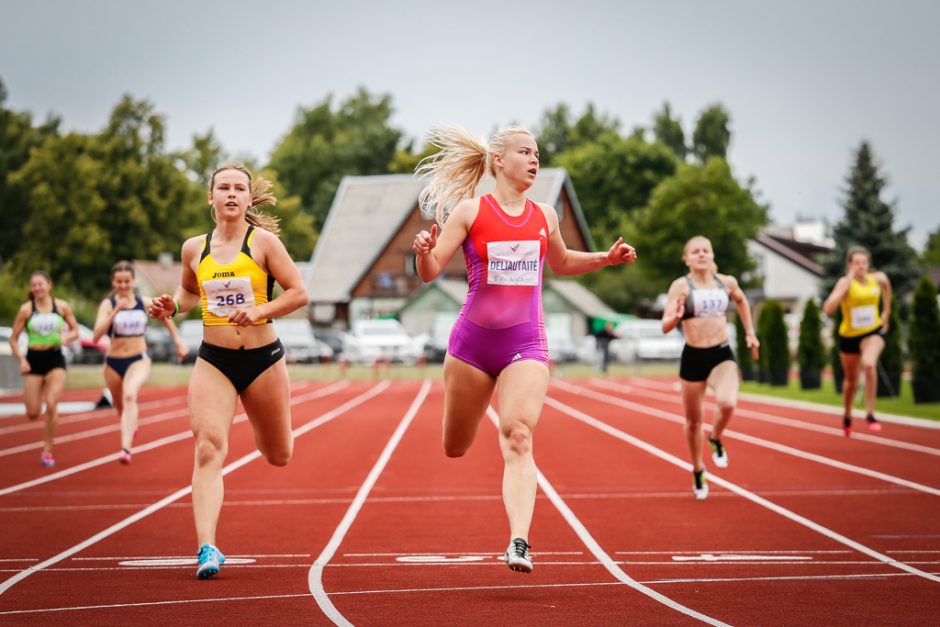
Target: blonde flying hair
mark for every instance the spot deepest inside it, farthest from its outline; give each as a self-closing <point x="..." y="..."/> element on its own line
<point x="455" y="171"/>
<point x="260" y="196"/>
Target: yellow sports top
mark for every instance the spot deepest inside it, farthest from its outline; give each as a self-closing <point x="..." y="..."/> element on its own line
<point x="860" y="312"/>
<point x="224" y="288"/>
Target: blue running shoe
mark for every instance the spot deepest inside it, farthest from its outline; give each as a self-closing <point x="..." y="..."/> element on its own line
<point x="210" y="561"/>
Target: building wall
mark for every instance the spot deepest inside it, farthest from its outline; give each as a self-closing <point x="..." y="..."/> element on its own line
<point x="784" y="280"/>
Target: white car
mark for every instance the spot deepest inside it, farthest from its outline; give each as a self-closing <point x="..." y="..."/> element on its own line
<point x="644" y="339"/>
<point x="371" y="340"/>
<point x="300" y="344"/>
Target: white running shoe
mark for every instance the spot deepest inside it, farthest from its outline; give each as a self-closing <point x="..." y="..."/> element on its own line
<point x="719" y="454"/>
<point x="700" y="485"/>
<point x="517" y="556"/>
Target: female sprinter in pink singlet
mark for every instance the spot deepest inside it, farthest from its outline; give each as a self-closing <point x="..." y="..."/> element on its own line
<point x="499" y="335"/>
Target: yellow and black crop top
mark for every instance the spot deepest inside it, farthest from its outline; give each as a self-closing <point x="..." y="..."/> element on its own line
<point x="224" y="288"/>
<point x="860" y="314"/>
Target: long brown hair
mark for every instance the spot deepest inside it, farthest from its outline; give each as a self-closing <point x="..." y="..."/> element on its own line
<point x="260" y="196"/>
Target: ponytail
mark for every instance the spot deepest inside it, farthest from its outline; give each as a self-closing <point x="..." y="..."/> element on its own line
<point x="260" y="196"/>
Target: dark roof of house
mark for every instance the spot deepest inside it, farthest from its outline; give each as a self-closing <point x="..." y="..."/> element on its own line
<point x="795" y="251"/>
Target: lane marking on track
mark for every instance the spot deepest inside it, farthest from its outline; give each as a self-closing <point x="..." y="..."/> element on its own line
<point x="266" y="597"/>
<point x="750" y="439"/>
<point x="711" y="557"/>
<point x="65" y="407"/>
<point x="780" y="420"/>
<point x="672" y="459"/>
<point x="315" y="573"/>
<point x="38" y="425"/>
<point x="585" y="536"/>
<point x="90" y="433"/>
<point x="832" y="410"/>
<point x="182" y="561"/>
<point x="149" y="446"/>
<point x="228" y="469"/>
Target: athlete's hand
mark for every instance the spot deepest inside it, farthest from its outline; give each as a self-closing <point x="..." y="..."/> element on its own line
<point x="753" y="344"/>
<point x="244" y="317"/>
<point x="680" y="307"/>
<point x="124" y="303"/>
<point x="885" y="323"/>
<point x="181" y="351"/>
<point x="621" y="252"/>
<point x="24" y="366"/>
<point x="425" y="241"/>
<point x="162" y="307"/>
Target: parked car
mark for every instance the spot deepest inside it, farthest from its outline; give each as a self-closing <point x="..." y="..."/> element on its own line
<point x="300" y="343"/>
<point x="160" y="344"/>
<point x="561" y="346"/>
<point x="436" y="347"/>
<point x="644" y="339"/>
<point x="191" y="334"/>
<point x="334" y="338"/>
<point x="86" y="350"/>
<point x="370" y="340"/>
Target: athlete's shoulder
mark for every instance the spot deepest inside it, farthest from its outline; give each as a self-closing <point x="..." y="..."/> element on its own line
<point x="194" y="244"/>
<point x="465" y="211"/>
<point x="728" y="281"/>
<point x="679" y="285"/>
<point x="62" y="305"/>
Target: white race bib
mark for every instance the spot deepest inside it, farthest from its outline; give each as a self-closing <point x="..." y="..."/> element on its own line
<point x="130" y="322"/>
<point x="709" y="303"/>
<point x="512" y="263"/>
<point x="44" y="323"/>
<point x="864" y="316"/>
<point x="223" y="296"/>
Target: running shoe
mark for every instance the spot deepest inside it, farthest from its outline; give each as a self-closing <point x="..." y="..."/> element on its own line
<point x="873" y="424"/>
<point x="517" y="556"/>
<point x="719" y="454"/>
<point x="210" y="560"/>
<point x="46" y="460"/>
<point x="847" y="425"/>
<point x="125" y="456"/>
<point x="699" y="484"/>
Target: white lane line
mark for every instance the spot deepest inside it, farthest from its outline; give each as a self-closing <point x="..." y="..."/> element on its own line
<point x="90" y="433"/>
<point x="585" y="536"/>
<point x="313" y="424"/>
<point x="38" y="425"/>
<point x="523" y="587"/>
<point x="778" y="420"/>
<point x="672" y="459"/>
<point x="737" y="435"/>
<point x="182" y="435"/>
<point x="910" y="421"/>
<point x="315" y="574"/>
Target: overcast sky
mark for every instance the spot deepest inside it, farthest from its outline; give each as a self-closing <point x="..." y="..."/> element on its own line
<point x="804" y="81"/>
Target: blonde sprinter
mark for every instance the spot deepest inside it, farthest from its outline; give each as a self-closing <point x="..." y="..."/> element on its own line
<point x="499" y="335"/>
<point x="860" y="294"/>
<point x="699" y="300"/>
<point x="230" y="272"/>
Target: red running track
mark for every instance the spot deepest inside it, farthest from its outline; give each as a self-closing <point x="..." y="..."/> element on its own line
<point x="370" y="524"/>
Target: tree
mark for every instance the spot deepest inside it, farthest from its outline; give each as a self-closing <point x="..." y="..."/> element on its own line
<point x="743" y="353"/>
<point x="18" y="137"/>
<point x="297" y="230"/>
<point x="774" y="347"/>
<point x="698" y="200"/>
<point x="712" y="134"/>
<point x="614" y="178"/>
<point x="325" y="144"/>
<point x="891" y="362"/>
<point x="868" y="221"/>
<point x="668" y="131"/>
<point x="925" y="343"/>
<point x="810" y="352"/>
<point x="556" y="133"/>
<point x="931" y="255"/>
<point x="835" y="359"/>
<point x="203" y="158"/>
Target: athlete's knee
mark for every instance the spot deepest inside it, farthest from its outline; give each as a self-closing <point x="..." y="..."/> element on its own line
<point x="868" y="366"/>
<point x="32" y="412"/>
<point x="281" y="455"/>
<point x="210" y="448"/>
<point x="518" y="438"/>
<point x="129" y="397"/>
<point x="454" y="449"/>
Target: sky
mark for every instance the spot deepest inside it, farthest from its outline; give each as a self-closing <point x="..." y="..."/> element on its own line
<point x="804" y="81"/>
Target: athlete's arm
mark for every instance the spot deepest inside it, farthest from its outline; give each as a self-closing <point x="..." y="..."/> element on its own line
<point x="432" y="251"/>
<point x="70" y="320"/>
<point x="104" y="318"/>
<point x="675" y="305"/>
<point x="885" y="284"/>
<point x="838" y="293"/>
<point x="277" y="263"/>
<point x="744" y="310"/>
<point x="19" y="324"/>
<point x="186" y="294"/>
<point x="563" y="261"/>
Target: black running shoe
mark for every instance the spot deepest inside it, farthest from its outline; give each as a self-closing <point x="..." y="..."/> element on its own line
<point x="517" y="556"/>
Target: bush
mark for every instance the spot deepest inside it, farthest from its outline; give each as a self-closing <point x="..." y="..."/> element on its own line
<point x="774" y="351"/>
<point x="892" y="358"/>
<point x="810" y="353"/>
<point x="745" y="359"/>
<point x="924" y="343"/>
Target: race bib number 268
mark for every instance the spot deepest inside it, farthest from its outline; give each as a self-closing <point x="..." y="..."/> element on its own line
<point x="223" y="296"/>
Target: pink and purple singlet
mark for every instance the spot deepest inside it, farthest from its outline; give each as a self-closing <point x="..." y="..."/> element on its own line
<point x="501" y="320"/>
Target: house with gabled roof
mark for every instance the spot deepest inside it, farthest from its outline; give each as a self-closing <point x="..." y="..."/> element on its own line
<point x="363" y="265"/>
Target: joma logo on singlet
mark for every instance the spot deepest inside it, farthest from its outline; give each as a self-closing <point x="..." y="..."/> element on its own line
<point x="216" y="275"/>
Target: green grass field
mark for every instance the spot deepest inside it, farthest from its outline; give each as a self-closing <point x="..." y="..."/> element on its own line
<point x="81" y="377"/>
